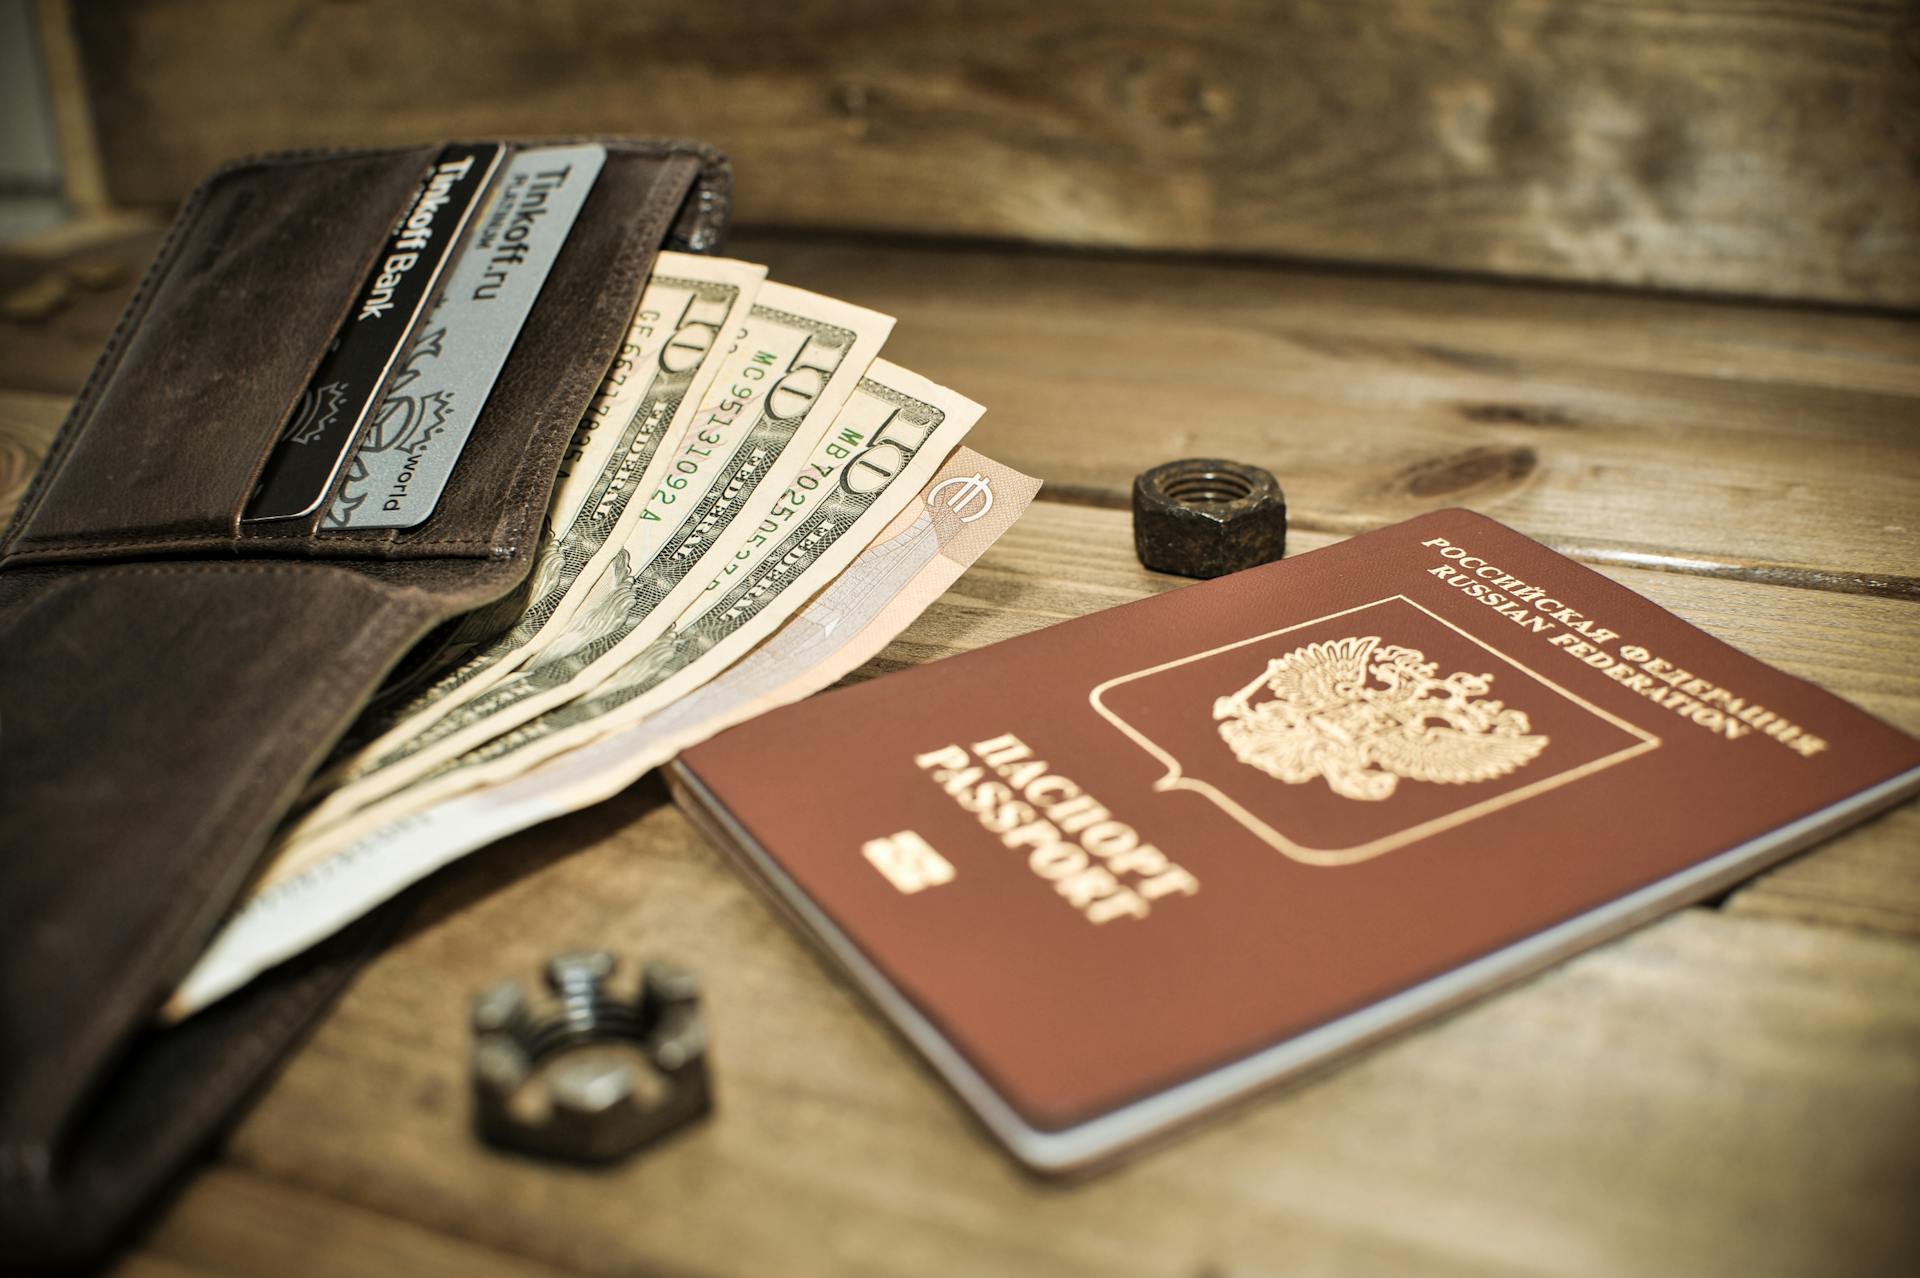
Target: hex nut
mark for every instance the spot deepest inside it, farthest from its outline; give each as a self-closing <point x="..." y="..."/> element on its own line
<point x="591" y="1087"/>
<point x="594" y="1109"/>
<point x="499" y="1008"/>
<point x="1206" y="517"/>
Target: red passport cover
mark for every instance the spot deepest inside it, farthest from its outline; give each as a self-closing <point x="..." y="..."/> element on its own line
<point x="1122" y="870"/>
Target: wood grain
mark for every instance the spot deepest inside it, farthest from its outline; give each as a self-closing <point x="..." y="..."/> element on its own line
<point x="85" y="185"/>
<point x="1867" y="878"/>
<point x="1062" y="561"/>
<point x="238" y="1225"/>
<point x="1762" y="440"/>
<point x="1741" y="146"/>
<point x="1715" y="1094"/>
<point x="1732" y="1090"/>
<point x="145" y="1265"/>
<point x="1762" y="443"/>
<point x="54" y="353"/>
<point x="28" y="423"/>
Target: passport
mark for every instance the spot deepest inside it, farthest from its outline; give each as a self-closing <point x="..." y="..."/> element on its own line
<point x="1117" y="873"/>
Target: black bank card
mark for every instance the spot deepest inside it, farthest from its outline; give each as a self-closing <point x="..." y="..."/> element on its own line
<point x="327" y="421"/>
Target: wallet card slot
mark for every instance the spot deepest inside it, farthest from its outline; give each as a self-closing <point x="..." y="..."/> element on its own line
<point x="215" y="351"/>
<point x="210" y="362"/>
<point x="161" y="715"/>
<point x="498" y="490"/>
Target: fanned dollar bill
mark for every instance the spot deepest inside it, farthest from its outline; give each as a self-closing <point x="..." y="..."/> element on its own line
<point x="753" y="506"/>
<point x="683" y="329"/>
<point x="796" y="363"/>
<point x="960" y="512"/>
<point x="894" y="431"/>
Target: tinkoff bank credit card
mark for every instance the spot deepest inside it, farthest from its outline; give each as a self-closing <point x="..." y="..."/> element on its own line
<point x="327" y="420"/>
<point x="417" y="433"/>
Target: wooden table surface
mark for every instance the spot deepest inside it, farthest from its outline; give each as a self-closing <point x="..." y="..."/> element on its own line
<point x="1735" y="1089"/>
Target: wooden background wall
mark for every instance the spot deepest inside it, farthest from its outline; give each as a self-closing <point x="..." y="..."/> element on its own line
<point x="1760" y="147"/>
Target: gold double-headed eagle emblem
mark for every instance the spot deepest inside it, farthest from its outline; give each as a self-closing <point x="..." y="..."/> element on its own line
<point x="1366" y="717"/>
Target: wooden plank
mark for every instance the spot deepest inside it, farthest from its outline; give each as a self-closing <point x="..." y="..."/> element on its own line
<point x="1725" y="1092"/>
<point x="1755" y="442"/>
<point x="1715" y="1094"/>
<point x="1869" y="878"/>
<point x="231" y="1222"/>
<point x="1685" y="1101"/>
<point x="92" y="268"/>
<point x="85" y="184"/>
<point x="1495" y="325"/>
<point x="1847" y="488"/>
<point x="1737" y="146"/>
<point x="1771" y="444"/>
<point x="28" y="423"/>
<point x="1065" y="560"/>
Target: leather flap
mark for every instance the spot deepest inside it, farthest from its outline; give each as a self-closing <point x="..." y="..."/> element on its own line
<point x="255" y="278"/>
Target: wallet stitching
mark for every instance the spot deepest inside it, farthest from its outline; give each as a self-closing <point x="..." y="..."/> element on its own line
<point x="109" y="361"/>
<point x="81" y="414"/>
<point x="711" y="162"/>
<point x="325" y="688"/>
<point x="210" y="869"/>
<point x="211" y="541"/>
<point x="28" y="1165"/>
<point x="634" y="253"/>
<point x="282" y="566"/>
<point x="653" y="218"/>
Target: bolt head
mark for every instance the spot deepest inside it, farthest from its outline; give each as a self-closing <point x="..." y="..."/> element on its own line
<point x="499" y="1064"/>
<point x="604" y="1075"/>
<point x="681" y="1046"/>
<point x="582" y="967"/>
<point x="664" y="985"/>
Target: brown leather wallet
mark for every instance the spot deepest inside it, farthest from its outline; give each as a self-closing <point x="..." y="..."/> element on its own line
<point x="169" y="676"/>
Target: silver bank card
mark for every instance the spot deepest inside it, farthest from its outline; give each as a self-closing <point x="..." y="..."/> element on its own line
<point x="416" y="435"/>
<point x="327" y="421"/>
